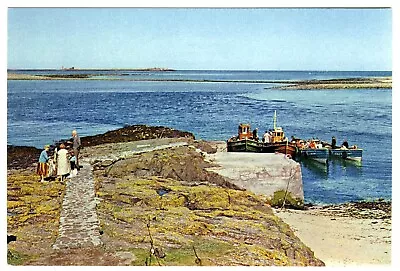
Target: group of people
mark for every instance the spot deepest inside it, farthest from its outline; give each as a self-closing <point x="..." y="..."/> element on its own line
<point x="307" y="144"/>
<point x="64" y="162"/>
<point x="317" y="144"/>
<point x="267" y="137"/>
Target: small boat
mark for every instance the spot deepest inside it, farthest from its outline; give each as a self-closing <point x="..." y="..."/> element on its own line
<point x="344" y="152"/>
<point x="320" y="155"/>
<point x="244" y="141"/>
<point x="312" y="149"/>
<point x="349" y="154"/>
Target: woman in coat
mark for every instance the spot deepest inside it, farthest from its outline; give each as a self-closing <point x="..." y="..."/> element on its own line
<point x="63" y="166"/>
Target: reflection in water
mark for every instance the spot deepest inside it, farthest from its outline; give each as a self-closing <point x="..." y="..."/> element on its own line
<point x="318" y="169"/>
<point x="343" y="167"/>
<point x="333" y="168"/>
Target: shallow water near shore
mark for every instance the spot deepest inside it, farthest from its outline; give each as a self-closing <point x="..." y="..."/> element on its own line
<point x="40" y="112"/>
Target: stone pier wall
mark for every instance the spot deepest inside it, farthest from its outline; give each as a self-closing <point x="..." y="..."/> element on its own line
<point x="267" y="174"/>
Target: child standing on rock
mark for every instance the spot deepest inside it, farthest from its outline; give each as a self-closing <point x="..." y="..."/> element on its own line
<point x="43" y="167"/>
<point x="72" y="162"/>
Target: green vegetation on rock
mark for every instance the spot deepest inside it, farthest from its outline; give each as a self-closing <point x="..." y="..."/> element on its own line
<point x="33" y="211"/>
<point x="190" y="209"/>
<point x="286" y="199"/>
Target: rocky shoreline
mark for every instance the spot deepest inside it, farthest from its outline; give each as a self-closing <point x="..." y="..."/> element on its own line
<point x="152" y="189"/>
<point x="348" y="83"/>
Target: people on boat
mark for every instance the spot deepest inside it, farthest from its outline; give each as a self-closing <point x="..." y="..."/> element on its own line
<point x="266" y="137"/>
<point x="255" y="134"/>
<point x="333" y="142"/>
<point x="312" y="145"/>
<point x="345" y="144"/>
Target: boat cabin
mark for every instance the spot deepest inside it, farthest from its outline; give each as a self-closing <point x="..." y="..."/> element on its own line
<point x="278" y="135"/>
<point x="244" y="131"/>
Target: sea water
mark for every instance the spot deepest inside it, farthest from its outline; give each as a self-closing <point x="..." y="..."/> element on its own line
<point x="41" y="112"/>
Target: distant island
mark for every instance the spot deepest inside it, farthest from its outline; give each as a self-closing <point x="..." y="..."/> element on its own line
<point x="98" y="69"/>
<point x="155" y="69"/>
<point x="83" y="74"/>
<point x="12" y="75"/>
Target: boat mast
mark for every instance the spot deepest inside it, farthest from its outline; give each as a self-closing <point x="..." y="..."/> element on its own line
<point x="275" y="120"/>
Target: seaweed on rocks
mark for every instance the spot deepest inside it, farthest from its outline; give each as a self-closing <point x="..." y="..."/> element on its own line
<point x="21" y="157"/>
<point x="134" y="133"/>
<point x="376" y="209"/>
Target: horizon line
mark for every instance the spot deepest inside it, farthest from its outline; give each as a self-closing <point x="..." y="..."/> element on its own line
<point x="172" y="69"/>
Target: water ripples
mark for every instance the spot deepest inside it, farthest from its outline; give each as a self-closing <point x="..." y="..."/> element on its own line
<point x="39" y="112"/>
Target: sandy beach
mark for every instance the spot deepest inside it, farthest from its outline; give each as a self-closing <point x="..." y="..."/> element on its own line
<point x="340" y="240"/>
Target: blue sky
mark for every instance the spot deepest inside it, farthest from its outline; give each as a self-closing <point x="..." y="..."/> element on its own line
<point x="237" y="39"/>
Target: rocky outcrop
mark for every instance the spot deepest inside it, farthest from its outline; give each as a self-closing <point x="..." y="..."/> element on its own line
<point x="156" y="204"/>
<point x="165" y="200"/>
<point x="222" y="226"/>
<point x="134" y="133"/>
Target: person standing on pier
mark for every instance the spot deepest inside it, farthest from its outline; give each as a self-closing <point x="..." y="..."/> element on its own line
<point x="63" y="168"/>
<point x="76" y="146"/>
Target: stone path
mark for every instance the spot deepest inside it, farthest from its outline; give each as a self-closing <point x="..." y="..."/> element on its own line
<point x="79" y="225"/>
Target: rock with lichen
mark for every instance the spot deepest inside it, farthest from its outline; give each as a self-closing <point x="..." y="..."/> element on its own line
<point x="158" y="207"/>
<point x="169" y="198"/>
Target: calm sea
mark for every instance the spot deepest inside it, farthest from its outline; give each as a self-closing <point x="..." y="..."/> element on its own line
<point x="40" y="112"/>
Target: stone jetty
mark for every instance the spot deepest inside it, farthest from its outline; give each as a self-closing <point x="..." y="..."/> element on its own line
<point x="269" y="174"/>
<point x="79" y="225"/>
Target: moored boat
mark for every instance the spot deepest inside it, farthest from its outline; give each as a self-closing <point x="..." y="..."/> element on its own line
<point x="286" y="148"/>
<point x="312" y="149"/>
<point x="276" y="141"/>
<point x="345" y="151"/>
<point x="244" y="141"/>
<point x="273" y="141"/>
<point x="349" y="154"/>
<point x="320" y="155"/>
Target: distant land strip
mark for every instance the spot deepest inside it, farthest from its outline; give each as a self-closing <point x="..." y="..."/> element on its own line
<point x="352" y="83"/>
<point x="95" y="69"/>
<point x="365" y="82"/>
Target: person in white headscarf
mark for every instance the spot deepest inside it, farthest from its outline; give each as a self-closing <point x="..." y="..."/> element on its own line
<point x="63" y="165"/>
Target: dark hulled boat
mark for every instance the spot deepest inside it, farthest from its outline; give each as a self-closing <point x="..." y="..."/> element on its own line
<point x="279" y="143"/>
<point x="246" y="141"/>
